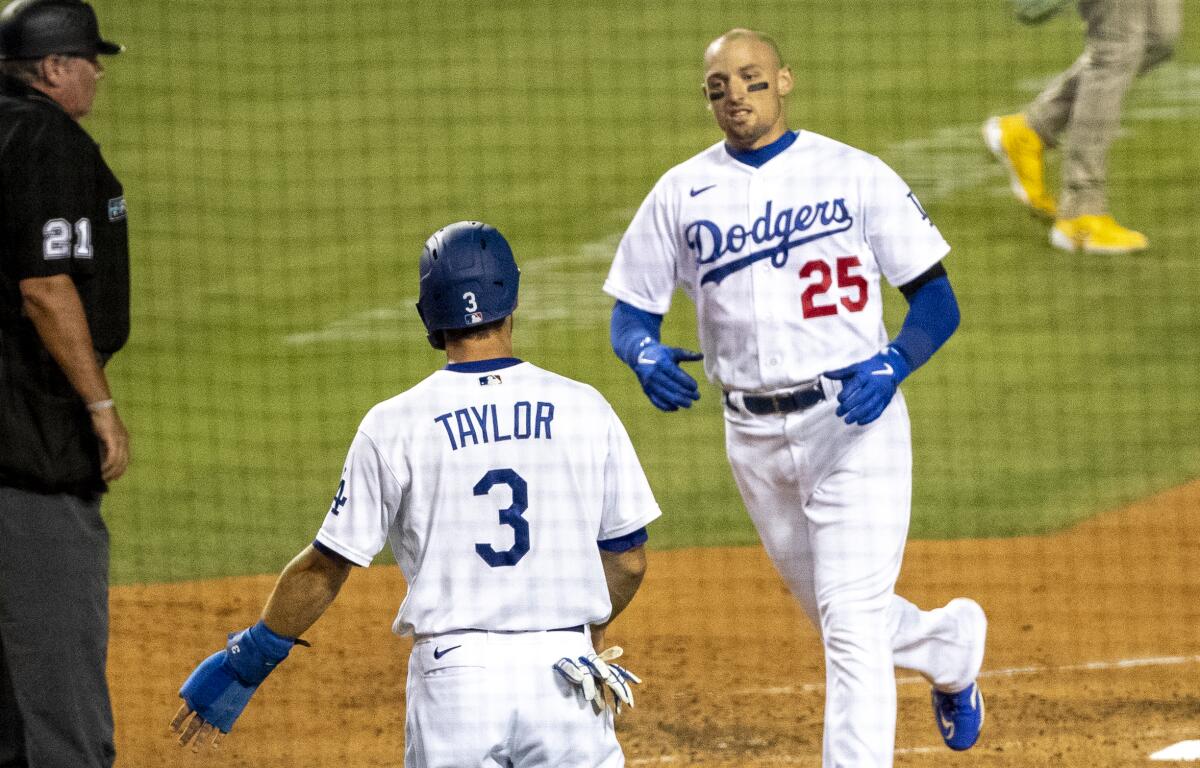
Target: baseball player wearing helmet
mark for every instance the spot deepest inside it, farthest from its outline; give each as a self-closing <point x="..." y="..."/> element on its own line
<point x="780" y="238"/>
<point x="517" y="510"/>
<point x="64" y="311"/>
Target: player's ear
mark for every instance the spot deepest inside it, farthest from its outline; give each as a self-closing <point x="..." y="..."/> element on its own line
<point x="784" y="81"/>
<point x="707" y="101"/>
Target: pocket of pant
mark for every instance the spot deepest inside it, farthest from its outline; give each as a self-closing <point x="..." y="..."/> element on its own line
<point x="452" y="655"/>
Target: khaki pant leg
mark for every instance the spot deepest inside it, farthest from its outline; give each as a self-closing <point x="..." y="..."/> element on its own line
<point x="1116" y="41"/>
<point x="1050" y="111"/>
<point x="1162" y="32"/>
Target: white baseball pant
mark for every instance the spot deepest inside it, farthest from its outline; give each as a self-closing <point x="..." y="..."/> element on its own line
<point x="831" y="503"/>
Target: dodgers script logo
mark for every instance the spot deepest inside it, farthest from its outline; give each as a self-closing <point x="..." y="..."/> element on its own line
<point x="790" y="227"/>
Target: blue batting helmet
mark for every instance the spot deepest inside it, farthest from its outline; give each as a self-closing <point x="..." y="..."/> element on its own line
<point x="468" y="278"/>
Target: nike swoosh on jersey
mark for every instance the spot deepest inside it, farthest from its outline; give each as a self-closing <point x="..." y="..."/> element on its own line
<point x="701" y="190"/>
<point x="643" y="360"/>
<point x="886" y="370"/>
<point x="439" y="653"/>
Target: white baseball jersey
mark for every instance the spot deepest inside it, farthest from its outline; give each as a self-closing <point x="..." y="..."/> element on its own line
<point x="782" y="261"/>
<point x="493" y="486"/>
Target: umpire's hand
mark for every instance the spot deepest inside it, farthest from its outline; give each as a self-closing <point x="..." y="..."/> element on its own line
<point x="114" y="443"/>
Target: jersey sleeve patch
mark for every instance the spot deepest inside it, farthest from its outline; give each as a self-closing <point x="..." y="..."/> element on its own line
<point x="903" y="237"/>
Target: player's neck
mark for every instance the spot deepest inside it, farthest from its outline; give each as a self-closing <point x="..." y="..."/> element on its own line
<point x="473" y="350"/>
<point x="770" y="137"/>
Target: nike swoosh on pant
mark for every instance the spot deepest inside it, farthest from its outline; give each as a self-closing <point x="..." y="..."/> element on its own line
<point x="439" y="653"/>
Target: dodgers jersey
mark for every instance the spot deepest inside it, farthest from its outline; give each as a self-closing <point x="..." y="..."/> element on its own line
<point x="782" y="261"/>
<point x="492" y="485"/>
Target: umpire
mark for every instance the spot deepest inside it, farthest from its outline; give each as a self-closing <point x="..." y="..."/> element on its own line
<point x="64" y="311"/>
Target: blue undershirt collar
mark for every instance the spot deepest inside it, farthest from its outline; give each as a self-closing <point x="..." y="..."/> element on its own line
<point x="483" y="366"/>
<point x="756" y="158"/>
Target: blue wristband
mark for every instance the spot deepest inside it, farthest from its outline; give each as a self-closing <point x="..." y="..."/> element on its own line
<point x="630" y="329"/>
<point x="255" y="652"/>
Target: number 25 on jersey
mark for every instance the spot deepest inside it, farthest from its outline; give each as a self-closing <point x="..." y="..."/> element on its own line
<point x="851" y="291"/>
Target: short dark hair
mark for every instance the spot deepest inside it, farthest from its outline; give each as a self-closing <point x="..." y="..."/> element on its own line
<point x="474" y="331"/>
<point x="28" y="71"/>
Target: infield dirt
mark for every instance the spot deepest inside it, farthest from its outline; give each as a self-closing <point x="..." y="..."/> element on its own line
<point x="1093" y="657"/>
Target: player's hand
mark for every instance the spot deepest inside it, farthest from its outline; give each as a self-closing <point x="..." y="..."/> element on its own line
<point x="587" y="671"/>
<point x="198" y="732"/>
<point x="868" y="386"/>
<point x="667" y="385"/>
<point x="215" y="695"/>
<point x="220" y="688"/>
<point x="114" y="443"/>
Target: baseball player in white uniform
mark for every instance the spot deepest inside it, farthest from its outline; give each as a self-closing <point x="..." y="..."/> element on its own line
<point x="515" y="506"/>
<point x="780" y="239"/>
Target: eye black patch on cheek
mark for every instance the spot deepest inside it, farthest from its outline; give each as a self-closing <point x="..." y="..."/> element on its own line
<point x="716" y="95"/>
<point x="762" y="86"/>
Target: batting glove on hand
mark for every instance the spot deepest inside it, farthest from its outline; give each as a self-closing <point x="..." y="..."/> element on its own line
<point x="221" y="686"/>
<point x="868" y="386"/>
<point x="667" y="385"/>
<point x="585" y="671"/>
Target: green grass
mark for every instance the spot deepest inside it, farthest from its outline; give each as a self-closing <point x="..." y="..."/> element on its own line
<point x="283" y="169"/>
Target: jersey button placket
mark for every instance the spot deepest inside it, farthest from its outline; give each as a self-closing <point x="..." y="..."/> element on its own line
<point x="764" y="274"/>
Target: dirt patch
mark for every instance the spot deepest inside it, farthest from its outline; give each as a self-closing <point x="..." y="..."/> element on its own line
<point x="1093" y="657"/>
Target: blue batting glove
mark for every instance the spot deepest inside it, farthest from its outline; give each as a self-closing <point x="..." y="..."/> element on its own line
<point x="220" y="688"/>
<point x="214" y="692"/>
<point x="667" y="385"/>
<point x="868" y="386"/>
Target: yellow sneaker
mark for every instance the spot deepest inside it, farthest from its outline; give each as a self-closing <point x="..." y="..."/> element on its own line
<point x="1019" y="149"/>
<point x="1096" y="234"/>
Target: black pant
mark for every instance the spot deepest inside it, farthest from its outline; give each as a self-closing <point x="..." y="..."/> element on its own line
<point x="54" y="706"/>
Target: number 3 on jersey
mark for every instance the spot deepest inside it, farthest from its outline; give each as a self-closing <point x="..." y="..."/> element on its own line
<point x="509" y="516"/>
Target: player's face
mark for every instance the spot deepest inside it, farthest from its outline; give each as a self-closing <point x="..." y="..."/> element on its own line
<point x="74" y="79"/>
<point x="745" y="86"/>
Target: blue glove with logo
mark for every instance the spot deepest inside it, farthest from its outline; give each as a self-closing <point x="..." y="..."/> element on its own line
<point x="868" y="386"/>
<point x="667" y="385"/>
<point x="220" y="688"/>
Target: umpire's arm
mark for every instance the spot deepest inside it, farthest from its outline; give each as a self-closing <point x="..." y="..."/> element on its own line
<point x="623" y="571"/>
<point x="53" y="306"/>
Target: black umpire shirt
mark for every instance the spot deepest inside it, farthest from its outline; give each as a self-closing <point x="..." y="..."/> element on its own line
<point x="62" y="211"/>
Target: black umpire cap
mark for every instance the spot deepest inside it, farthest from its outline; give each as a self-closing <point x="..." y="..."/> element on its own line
<point x="31" y="29"/>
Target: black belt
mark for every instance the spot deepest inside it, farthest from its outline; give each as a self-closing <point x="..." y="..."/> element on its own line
<point x="788" y="402"/>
